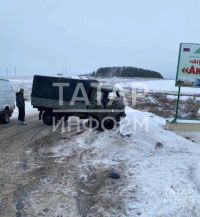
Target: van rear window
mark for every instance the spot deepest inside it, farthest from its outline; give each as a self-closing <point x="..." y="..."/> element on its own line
<point x="5" y="86"/>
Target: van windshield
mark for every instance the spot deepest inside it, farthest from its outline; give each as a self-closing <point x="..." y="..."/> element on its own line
<point x="5" y="86"/>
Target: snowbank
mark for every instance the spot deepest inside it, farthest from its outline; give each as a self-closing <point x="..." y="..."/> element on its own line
<point x="155" y="180"/>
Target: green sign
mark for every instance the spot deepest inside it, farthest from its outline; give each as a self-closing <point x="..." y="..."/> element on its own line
<point x="188" y="70"/>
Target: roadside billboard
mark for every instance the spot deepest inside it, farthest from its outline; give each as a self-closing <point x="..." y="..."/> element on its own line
<point x="188" y="70"/>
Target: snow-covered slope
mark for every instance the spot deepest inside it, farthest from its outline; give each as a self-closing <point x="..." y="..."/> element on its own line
<point x="157" y="179"/>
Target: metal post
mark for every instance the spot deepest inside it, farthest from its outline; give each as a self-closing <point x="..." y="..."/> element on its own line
<point x="177" y="104"/>
<point x="7" y="71"/>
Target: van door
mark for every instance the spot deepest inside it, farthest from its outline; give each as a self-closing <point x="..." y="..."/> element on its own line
<point x="6" y="95"/>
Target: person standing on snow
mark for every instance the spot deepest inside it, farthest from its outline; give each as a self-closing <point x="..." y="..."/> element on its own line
<point x="21" y="107"/>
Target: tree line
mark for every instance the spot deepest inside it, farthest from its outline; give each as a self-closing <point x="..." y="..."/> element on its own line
<point x="130" y="72"/>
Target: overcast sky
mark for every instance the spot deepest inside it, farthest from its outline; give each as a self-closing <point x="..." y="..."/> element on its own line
<point x="45" y="36"/>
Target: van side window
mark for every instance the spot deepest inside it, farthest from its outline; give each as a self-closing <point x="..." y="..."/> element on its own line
<point x="5" y="86"/>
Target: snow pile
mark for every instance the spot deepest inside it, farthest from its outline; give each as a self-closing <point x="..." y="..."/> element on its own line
<point x="155" y="180"/>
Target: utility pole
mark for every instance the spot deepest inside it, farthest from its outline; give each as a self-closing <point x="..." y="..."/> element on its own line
<point x="6" y="71"/>
<point x="15" y="70"/>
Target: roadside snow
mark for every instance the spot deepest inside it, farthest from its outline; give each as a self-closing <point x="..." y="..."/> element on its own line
<point x="167" y="179"/>
<point x="29" y="110"/>
<point x="26" y="84"/>
<point x="156" y="181"/>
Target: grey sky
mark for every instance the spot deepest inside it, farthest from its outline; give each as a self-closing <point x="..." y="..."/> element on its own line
<point x="41" y="36"/>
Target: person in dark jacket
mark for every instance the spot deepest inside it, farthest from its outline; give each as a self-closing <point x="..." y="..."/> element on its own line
<point x="21" y="106"/>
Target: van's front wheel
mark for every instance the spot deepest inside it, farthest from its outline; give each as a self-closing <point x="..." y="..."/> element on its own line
<point x="48" y="118"/>
<point x="5" y="118"/>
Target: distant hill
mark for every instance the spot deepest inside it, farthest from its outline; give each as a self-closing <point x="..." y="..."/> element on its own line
<point x="128" y="72"/>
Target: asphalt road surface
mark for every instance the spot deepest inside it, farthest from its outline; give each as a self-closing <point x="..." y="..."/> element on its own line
<point x="34" y="181"/>
<point x="31" y="181"/>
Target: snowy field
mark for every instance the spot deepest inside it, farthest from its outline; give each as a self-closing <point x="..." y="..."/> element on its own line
<point x="25" y="83"/>
<point x="150" y="85"/>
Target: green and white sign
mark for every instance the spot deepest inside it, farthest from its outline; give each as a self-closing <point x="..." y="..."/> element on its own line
<point x="188" y="70"/>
